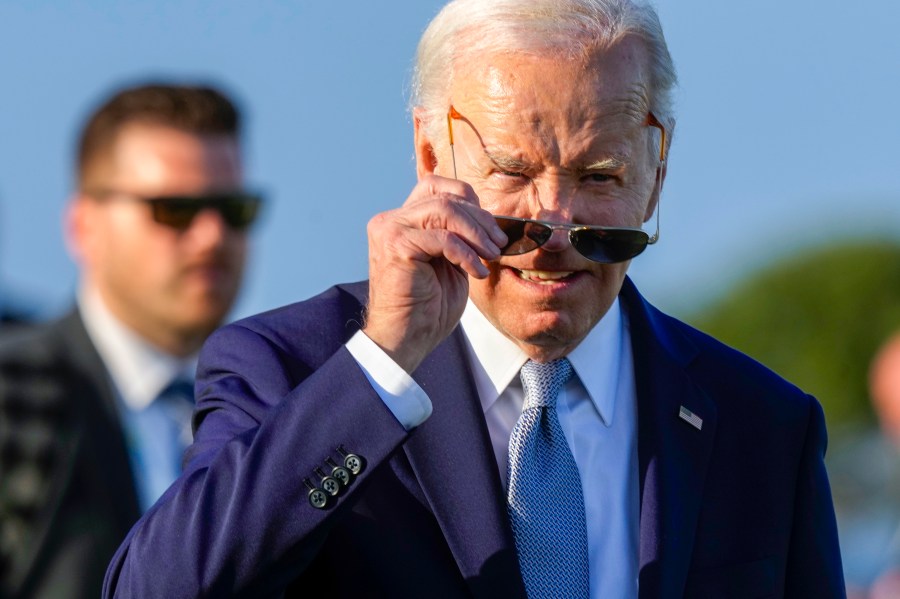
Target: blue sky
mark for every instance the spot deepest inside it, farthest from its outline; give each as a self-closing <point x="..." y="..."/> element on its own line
<point x="787" y="132"/>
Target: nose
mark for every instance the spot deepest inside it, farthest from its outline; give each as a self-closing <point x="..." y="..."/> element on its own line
<point x="208" y="228"/>
<point x="558" y="242"/>
<point x="553" y="197"/>
<point x="554" y="202"/>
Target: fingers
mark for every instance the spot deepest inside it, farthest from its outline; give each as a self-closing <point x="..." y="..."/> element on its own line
<point x="441" y="243"/>
<point x="442" y="217"/>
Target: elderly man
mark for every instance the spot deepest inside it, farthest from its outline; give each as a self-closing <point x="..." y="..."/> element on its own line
<point x="95" y="406"/>
<point x="376" y="440"/>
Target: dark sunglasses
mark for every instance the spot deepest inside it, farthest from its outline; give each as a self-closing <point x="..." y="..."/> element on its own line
<point x="600" y="244"/>
<point x="237" y="209"/>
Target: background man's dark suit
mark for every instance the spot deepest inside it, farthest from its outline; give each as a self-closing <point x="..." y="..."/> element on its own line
<point x="739" y="508"/>
<point x="14" y="316"/>
<point x="67" y="496"/>
<point x="151" y="288"/>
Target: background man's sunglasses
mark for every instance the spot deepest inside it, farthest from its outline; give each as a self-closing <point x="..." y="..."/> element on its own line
<point x="237" y="209"/>
<point x="600" y="244"/>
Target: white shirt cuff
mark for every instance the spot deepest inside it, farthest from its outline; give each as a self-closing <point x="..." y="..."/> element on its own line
<point x="400" y="393"/>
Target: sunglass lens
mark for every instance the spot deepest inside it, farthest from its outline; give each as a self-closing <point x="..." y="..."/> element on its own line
<point x="609" y="246"/>
<point x="239" y="211"/>
<point x="522" y="236"/>
<point x="175" y="212"/>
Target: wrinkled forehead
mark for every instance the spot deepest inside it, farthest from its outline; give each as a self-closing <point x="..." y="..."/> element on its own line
<point x="609" y="85"/>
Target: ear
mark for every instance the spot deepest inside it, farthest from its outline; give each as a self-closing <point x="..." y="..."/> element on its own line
<point x="78" y="224"/>
<point x="657" y="190"/>
<point x="426" y="161"/>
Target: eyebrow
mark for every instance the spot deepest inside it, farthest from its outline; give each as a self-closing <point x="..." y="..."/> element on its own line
<point x="505" y="162"/>
<point x="606" y="164"/>
<point x="508" y="163"/>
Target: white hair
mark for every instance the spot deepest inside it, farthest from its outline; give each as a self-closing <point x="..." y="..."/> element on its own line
<point x="568" y="28"/>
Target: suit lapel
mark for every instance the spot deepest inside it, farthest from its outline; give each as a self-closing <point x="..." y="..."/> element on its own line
<point x="455" y="465"/>
<point x="673" y="454"/>
<point x="101" y="416"/>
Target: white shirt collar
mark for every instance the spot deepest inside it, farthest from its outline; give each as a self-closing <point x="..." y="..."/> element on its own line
<point x="496" y="360"/>
<point x="138" y="369"/>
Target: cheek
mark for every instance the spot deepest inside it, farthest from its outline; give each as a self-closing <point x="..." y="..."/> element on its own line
<point x="485" y="288"/>
<point x="130" y="259"/>
<point x="141" y="252"/>
<point x="493" y="298"/>
<point x="494" y="203"/>
<point x="627" y="207"/>
<point x="237" y="244"/>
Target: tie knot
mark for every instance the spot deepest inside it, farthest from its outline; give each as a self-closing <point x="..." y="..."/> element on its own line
<point x="542" y="381"/>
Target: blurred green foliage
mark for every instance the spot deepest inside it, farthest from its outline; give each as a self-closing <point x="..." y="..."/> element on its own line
<point x="817" y="319"/>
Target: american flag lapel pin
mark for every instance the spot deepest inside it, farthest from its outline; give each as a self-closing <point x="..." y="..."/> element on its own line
<point x="690" y="418"/>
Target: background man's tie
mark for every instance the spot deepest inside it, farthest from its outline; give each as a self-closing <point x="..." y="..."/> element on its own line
<point x="159" y="435"/>
<point x="545" y="501"/>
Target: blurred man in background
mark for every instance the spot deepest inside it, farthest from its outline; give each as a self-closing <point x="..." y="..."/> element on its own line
<point x="884" y="387"/>
<point x="96" y="406"/>
<point x="867" y="486"/>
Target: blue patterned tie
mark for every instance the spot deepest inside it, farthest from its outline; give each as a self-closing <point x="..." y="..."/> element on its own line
<point x="545" y="501"/>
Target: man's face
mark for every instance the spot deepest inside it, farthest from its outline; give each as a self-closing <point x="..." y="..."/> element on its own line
<point x="561" y="143"/>
<point x="171" y="286"/>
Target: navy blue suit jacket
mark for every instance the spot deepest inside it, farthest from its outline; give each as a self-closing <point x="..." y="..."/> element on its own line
<point x="738" y="508"/>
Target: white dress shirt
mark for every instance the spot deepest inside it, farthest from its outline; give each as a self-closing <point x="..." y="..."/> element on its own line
<point x="597" y="411"/>
<point x="139" y="372"/>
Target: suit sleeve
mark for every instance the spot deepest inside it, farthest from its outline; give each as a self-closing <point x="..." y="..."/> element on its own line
<point x="239" y="522"/>
<point x="814" y="562"/>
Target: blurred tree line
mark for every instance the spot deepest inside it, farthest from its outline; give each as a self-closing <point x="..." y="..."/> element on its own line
<point x="817" y="319"/>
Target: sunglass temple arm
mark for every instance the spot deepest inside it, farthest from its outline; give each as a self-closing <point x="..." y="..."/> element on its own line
<point x="450" y="130"/>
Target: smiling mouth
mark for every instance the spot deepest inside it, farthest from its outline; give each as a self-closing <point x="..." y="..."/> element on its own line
<point x="543" y="277"/>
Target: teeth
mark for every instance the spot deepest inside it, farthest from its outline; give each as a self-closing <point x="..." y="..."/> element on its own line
<point x="543" y="275"/>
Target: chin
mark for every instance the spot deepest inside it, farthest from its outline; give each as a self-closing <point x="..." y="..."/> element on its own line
<point x="544" y="332"/>
<point x="206" y="313"/>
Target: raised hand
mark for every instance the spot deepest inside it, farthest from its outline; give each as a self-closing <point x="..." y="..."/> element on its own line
<point x="419" y="258"/>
